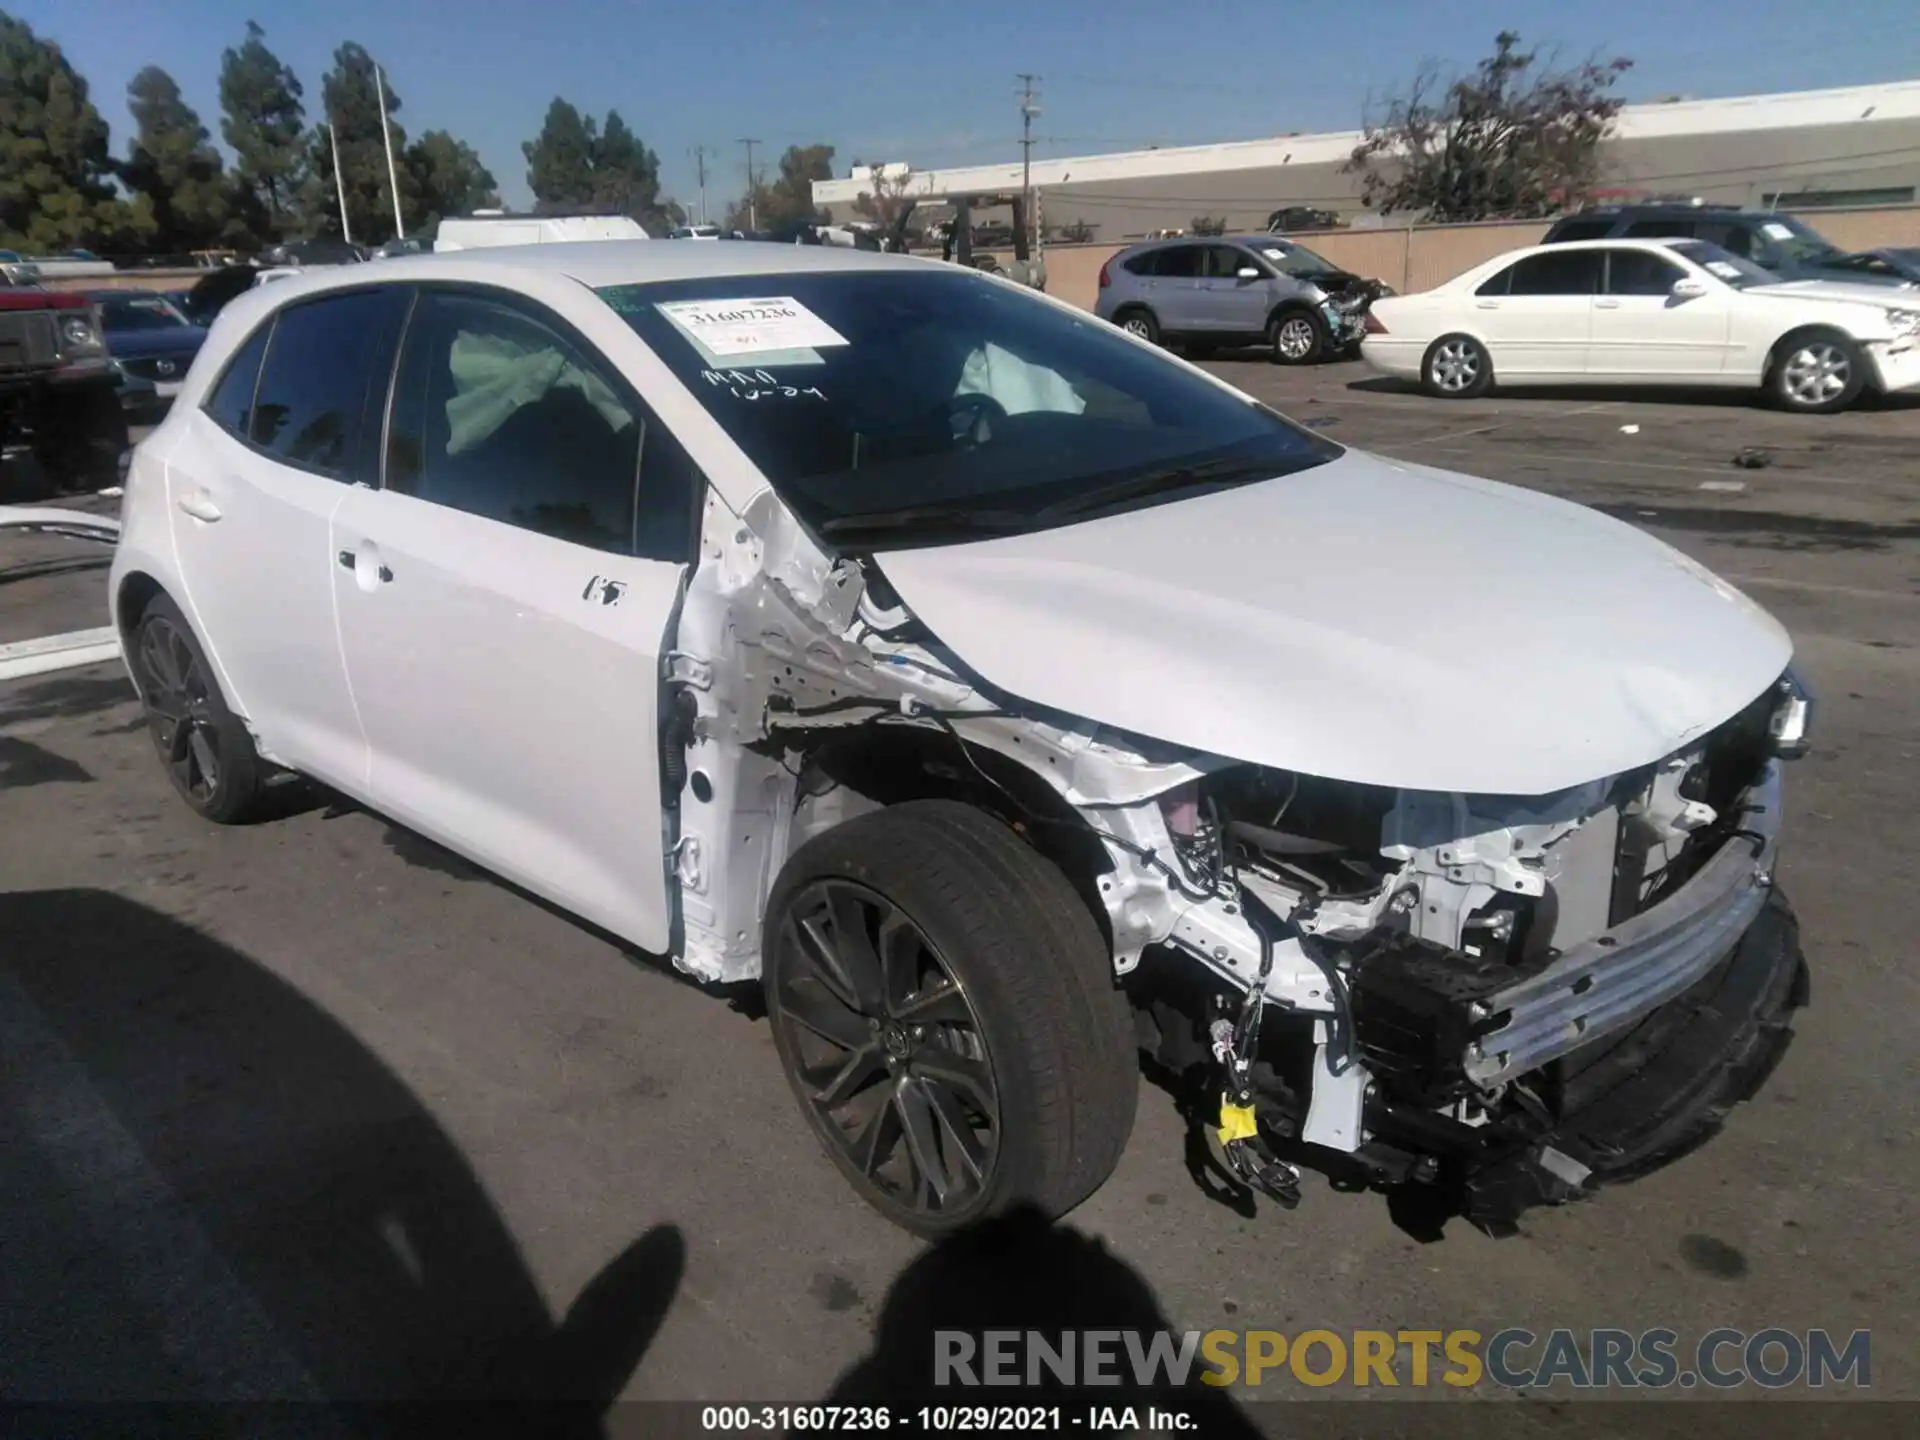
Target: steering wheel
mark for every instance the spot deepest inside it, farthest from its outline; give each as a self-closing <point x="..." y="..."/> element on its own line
<point x="971" y="417"/>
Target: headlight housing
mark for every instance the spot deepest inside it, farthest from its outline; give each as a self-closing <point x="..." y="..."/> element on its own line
<point x="1905" y="321"/>
<point x="1790" y="725"/>
<point x="79" y="334"/>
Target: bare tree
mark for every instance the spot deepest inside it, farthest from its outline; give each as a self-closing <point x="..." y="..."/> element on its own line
<point x="1208" y="225"/>
<point x="1514" y="139"/>
<point x="887" y="199"/>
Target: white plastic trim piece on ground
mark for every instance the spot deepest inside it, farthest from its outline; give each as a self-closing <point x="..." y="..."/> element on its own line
<point x="77" y="648"/>
<point x="58" y="652"/>
<point x="76" y="523"/>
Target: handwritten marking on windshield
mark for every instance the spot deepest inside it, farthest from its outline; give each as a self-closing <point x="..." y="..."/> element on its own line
<point x="756" y="384"/>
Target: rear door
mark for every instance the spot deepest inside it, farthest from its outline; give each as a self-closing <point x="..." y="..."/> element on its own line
<point x="1178" y="273"/>
<point x="1642" y="330"/>
<point x="505" y="599"/>
<point x="1537" y="314"/>
<point x="281" y="439"/>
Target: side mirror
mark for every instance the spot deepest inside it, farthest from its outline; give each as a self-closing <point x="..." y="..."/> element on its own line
<point x="1688" y="288"/>
<point x="1246" y="272"/>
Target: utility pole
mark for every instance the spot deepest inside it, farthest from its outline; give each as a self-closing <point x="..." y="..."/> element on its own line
<point x="700" y="164"/>
<point x="753" y="213"/>
<point x="339" y="186"/>
<point x="1029" y="107"/>
<point x="386" y="141"/>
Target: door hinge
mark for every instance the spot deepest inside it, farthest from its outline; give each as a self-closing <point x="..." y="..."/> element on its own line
<point x="683" y="669"/>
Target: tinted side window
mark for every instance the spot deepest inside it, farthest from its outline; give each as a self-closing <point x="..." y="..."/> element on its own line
<point x="1225" y="263"/>
<point x="1640" y="272"/>
<point x="1734" y="238"/>
<point x="230" y="402"/>
<point x="1558" y="272"/>
<point x="1145" y="263"/>
<point x="1499" y="283"/>
<point x="1642" y="229"/>
<point x="1582" y="230"/>
<point x="497" y="413"/>
<point x="317" y="376"/>
<point x="1180" y="262"/>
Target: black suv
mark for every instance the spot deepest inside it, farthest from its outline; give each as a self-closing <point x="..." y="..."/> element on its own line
<point x="1779" y="243"/>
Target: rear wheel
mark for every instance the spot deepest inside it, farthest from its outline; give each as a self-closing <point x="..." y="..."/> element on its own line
<point x="206" y="751"/>
<point x="1816" y="371"/>
<point x="1297" y="337"/>
<point x="1139" y="323"/>
<point x="945" y="1008"/>
<point x="1457" y="367"/>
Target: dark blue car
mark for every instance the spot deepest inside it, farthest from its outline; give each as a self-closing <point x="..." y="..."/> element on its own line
<point x="152" y="344"/>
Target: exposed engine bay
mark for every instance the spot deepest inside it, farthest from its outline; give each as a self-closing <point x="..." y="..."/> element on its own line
<point x="1418" y="949"/>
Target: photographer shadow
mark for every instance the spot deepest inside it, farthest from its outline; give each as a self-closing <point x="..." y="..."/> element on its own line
<point x="225" y="1213"/>
<point x="1019" y="1273"/>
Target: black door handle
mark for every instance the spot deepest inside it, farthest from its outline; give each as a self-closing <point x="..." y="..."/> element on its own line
<point x="347" y="560"/>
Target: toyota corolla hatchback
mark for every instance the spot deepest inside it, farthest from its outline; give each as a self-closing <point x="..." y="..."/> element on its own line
<point x="1006" y="696"/>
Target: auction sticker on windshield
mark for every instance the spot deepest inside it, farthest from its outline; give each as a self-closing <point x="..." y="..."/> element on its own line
<point x="751" y="327"/>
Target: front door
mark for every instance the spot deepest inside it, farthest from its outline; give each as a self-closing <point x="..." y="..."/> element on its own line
<point x="504" y="602"/>
<point x="252" y="491"/>
<point x="1643" y="331"/>
<point x="1231" y="303"/>
<point x="1537" y="314"/>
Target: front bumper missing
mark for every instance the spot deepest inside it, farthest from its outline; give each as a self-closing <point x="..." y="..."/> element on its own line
<point x="1611" y="981"/>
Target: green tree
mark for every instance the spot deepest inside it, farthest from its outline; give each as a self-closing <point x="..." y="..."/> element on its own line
<point x="171" y="162"/>
<point x="1513" y="139"/>
<point x="264" y="122"/>
<point x="350" y="100"/>
<point x="626" y="174"/>
<point x="447" y="178"/>
<point x="55" y="189"/>
<point x="789" y="198"/>
<point x="560" y="158"/>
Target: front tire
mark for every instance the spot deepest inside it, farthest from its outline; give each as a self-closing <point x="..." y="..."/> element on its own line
<point x="1297" y="337"/>
<point x="203" y="746"/>
<point x="945" y="1009"/>
<point x="80" y="433"/>
<point x="1816" y="372"/>
<point x="1456" y="367"/>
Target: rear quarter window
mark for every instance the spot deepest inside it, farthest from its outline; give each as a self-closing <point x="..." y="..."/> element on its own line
<point x="230" y="402"/>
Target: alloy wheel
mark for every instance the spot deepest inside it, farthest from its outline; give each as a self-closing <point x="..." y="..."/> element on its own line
<point x="1456" y="365"/>
<point x="887" y="1049"/>
<point x="1294" y="339"/>
<point x="1137" y="326"/>
<point x="180" y="713"/>
<point x="1816" y="372"/>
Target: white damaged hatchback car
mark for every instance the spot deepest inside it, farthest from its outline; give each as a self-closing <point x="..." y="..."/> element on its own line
<point x="1007" y="696"/>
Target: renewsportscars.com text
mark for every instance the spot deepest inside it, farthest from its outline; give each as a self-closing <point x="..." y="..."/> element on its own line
<point x="1515" y="1358"/>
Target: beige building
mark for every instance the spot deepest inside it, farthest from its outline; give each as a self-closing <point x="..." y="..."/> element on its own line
<point x="1858" y="146"/>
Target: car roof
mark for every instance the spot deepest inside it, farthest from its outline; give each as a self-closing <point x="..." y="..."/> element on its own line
<point x="598" y="263"/>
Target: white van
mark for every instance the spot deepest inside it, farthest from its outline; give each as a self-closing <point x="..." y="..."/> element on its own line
<point x="472" y="232"/>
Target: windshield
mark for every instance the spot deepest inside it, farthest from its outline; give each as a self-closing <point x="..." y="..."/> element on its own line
<point x="1723" y="264"/>
<point x="121" y="313"/>
<point x="1785" y="241"/>
<point x="913" y="407"/>
<point x="1294" y="260"/>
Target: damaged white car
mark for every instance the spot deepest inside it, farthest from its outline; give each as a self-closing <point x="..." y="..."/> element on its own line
<point x="1007" y="696"/>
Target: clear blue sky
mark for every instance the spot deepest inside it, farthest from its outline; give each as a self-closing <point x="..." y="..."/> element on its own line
<point x="933" y="84"/>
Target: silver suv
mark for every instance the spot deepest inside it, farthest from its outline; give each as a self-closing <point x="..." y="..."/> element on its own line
<point x="1237" y="290"/>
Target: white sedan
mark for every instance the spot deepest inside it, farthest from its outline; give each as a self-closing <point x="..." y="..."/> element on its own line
<point x="1665" y="312"/>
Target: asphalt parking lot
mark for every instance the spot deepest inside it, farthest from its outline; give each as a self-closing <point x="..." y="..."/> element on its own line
<point x="314" y="1108"/>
